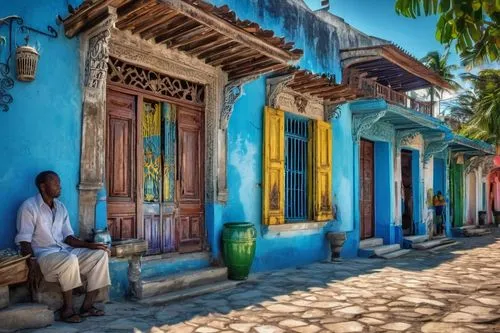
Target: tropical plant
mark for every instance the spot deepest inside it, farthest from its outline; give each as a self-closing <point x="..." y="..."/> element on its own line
<point x="480" y="106"/>
<point x="473" y="24"/>
<point x="439" y="64"/>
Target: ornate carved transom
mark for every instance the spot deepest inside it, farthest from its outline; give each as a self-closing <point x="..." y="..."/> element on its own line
<point x="131" y="75"/>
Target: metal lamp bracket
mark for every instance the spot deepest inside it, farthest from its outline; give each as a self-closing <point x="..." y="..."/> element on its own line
<point x="6" y="82"/>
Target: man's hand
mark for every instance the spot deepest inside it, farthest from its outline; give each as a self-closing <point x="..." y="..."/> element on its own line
<point x="98" y="246"/>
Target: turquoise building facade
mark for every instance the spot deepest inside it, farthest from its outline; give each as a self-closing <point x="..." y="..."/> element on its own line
<point x="47" y="125"/>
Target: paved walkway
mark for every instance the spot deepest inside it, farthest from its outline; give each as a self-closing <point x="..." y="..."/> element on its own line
<point x="451" y="290"/>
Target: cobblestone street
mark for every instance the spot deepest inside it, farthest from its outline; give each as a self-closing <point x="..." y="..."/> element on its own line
<point x="456" y="289"/>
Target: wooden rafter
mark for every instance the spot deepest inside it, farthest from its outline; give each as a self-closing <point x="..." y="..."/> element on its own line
<point x="212" y="34"/>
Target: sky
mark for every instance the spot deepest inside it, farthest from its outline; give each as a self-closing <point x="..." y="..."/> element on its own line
<point x="378" y="18"/>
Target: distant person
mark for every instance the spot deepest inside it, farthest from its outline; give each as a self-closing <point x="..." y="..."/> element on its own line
<point x="439" y="203"/>
<point x="44" y="231"/>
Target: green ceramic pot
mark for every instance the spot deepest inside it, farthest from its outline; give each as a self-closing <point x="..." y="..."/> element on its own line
<point x="238" y="244"/>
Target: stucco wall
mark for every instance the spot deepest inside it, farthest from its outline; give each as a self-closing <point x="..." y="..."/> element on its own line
<point x="42" y="128"/>
<point x="320" y="42"/>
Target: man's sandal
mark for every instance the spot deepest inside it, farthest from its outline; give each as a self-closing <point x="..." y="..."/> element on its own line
<point x="72" y="319"/>
<point x="92" y="312"/>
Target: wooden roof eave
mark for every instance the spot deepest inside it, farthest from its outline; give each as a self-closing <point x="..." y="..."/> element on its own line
<point x="351" y="57"/>
<point x="78" y="22"/>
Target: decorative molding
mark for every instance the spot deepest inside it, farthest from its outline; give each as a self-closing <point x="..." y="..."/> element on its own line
<point x="381" y="131"/>
<point x="232" y="92"/>
<point x="287" y="101"/>
<point x="405" y="137"/>
<point x="332" y="111"/>
<point x="275" y="87"/>
<point x="131" y="75"/>
<point x="95" y="56"/>
<point x="96" y="62"/>
<point x="301" y="103"/>
<point x="435" y="146"/>
<point x="274" y="198"/>
<point x="361" y="123"/>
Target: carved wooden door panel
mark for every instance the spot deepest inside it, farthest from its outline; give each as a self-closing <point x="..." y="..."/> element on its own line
<point x="120" y="164"/>
<point x="158" y="190"/>
<point x="407" y="192"/>
<point x="366" y="174"/>
<point x="190" y="179"/>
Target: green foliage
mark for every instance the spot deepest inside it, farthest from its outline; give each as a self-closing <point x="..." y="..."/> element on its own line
<point x="439" y="64"/>
<point x="473" y="24"/>
<point x="480" y="106"/>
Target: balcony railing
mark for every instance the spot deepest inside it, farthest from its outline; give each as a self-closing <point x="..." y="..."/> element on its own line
<point x="370" y="88"/>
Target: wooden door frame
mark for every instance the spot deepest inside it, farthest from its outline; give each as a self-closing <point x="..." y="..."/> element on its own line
<point x="361" y="226"/>
<point x="140" y="95"/>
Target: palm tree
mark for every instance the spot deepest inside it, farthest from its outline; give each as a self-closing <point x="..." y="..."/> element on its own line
<point x="484" y="108"/>
<point x="439" y="64"/>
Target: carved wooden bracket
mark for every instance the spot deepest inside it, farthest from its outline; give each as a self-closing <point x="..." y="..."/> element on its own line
<point x="361" y="123"/>
<point x="435" y="146"/>
<point x="275" y="86"/>
<point x="232" y="92"/>
<point x="332" y="111"/>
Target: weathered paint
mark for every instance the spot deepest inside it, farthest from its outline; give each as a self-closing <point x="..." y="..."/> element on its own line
<point x="42" y="129"/>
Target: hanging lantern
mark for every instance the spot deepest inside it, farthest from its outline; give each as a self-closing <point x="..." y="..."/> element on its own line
<point x="26" y="61"/>
<point x="460" y="159"/>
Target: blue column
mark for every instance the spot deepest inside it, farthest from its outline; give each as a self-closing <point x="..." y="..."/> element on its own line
<point x="383" y="198"/>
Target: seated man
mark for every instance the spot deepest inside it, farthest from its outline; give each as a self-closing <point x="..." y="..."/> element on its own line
<point x="44" y="231"/>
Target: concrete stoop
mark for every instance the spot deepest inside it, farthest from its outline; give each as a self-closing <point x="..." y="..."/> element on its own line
<point x="373" y="247"/>
<point x="434" y="243"/>
<point x="408" y="241"/>
<point x="189" y="292"/>
<point x="165" y="284"/>
<point x="470" y="231"/>
<point x="173" y="287"/>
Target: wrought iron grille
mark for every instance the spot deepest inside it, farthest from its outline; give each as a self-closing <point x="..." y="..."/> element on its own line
<point x="296" y="140"/>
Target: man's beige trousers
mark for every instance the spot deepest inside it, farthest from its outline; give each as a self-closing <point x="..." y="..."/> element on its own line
<point x="65" y="267"/>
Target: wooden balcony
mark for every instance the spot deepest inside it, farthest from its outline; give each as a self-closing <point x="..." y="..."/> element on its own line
<point x="371" y="88"/>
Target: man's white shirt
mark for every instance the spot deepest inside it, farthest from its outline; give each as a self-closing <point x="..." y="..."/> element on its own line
<point x="44" y="228"/>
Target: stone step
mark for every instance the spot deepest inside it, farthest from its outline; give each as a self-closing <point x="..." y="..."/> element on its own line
<point x="476" y="232"/>
<point x="23" y="316"/>
<point x="378" y="250"/>
<point x="190" y="292"/>
<point x="395" y="254"/>
<point x="166" y="284"/>
<point x="370" y="242"/>
<point x="408" y="241"/>
<point x="432" y="243"/>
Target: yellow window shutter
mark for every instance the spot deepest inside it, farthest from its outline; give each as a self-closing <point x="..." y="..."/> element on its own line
<point x="322" y="171"/>
<point x="273" y="183"/>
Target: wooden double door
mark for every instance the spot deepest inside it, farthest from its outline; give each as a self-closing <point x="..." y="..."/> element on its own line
<point x="155" y="171"/>
<point x="366" y="175"/>
<point x="407" y="192"/>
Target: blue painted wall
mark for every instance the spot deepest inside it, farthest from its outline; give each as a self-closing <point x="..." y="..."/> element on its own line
<point x="244" y="152"/>
<point x="383" y="197"/>
<point x="42" y="128"/>
<point x="439" y="176"/>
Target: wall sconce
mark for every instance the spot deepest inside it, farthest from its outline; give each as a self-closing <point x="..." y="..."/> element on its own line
<point x="26" y="57"/>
